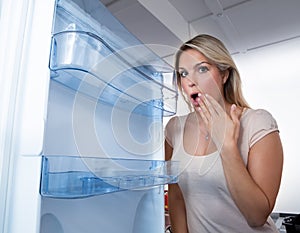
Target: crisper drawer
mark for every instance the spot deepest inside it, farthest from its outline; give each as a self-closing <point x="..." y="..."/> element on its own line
<point x="79" y="177"/>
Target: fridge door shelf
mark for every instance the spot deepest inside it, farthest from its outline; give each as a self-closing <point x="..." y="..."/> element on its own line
<point x="81" y="177"/>
<point x="85" y="63"/>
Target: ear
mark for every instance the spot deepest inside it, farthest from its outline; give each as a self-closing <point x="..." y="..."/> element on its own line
<point x="225" y="76"/>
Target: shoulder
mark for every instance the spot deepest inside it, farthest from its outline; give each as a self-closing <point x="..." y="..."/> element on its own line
<point x="176" y="121"/>
<point x="260" y="118"/>
<point x="170" y="126"/>
<point x="174" y="128"/>
<point x="256" y="112"/>
<point x="257" y="123"/>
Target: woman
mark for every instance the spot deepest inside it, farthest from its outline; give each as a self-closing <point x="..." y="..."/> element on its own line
<point x="231" y="155"/>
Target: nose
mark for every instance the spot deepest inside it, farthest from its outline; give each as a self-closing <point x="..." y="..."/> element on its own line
<point x="190" y="82"/>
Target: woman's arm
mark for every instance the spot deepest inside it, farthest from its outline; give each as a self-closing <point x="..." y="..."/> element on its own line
<point x="175" y="201"/>
<point x="177" y="209"/>
<point x="254" y="188"/>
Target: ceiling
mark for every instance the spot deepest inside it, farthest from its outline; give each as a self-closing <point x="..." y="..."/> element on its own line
<point x="243" y="25"/>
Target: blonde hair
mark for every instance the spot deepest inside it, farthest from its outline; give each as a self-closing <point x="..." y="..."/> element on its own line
<point x="215" y="51"/>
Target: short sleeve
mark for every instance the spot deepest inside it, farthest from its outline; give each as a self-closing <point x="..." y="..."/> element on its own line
<point x="170" y="131"/>
<point x="261" y="124"/>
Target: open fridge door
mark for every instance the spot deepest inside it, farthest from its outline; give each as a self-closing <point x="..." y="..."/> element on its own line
<point x="103" y="164"/>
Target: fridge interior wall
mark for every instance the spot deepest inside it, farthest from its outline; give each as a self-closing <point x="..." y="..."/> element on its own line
<point x="103" y="108"/>
<point x="126" y="211"/>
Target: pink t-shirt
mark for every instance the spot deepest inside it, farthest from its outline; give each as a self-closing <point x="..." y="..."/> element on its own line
<point x="209" y="205"/>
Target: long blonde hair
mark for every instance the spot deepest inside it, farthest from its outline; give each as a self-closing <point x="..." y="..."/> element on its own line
<point x="215" y="51"/>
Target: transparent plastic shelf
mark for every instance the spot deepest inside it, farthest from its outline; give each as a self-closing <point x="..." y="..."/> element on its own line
<point x="81" y="177"/>
<point x="85" y="63"/>
<point x="94" y="54"/>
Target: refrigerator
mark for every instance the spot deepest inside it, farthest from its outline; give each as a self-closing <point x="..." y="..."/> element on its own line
<point x="82" y="107"/>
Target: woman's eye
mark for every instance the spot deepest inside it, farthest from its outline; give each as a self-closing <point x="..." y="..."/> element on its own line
<point x="202" y="69"/>
<point x="183" y="74"/>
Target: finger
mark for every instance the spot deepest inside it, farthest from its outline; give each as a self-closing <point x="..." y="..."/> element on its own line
<point x="203" y="110"/>
<point x="234" y="114"/>
<point x="204" y="107"/>
<point x="214" y="106"/>
<point x="203" y="115"/>
<point x="208" y="105"/>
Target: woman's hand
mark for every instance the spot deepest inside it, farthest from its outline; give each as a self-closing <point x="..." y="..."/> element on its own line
<point x="224" y="128"/>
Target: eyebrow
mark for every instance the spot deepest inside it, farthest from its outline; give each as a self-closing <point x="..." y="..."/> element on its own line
<point x="196" y="65"/>
<point x="200" y="63"/>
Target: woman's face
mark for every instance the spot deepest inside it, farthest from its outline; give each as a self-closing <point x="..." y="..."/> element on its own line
<point x="199" y="76"/>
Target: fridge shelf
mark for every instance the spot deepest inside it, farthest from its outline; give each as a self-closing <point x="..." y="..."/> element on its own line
<point x="80" y="177"/>
<point x="126" y="78"/>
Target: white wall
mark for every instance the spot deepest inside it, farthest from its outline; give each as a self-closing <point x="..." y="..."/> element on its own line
<point x="271" y="80"/>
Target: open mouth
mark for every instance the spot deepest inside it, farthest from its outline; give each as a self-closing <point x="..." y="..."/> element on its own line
<point x="194" y="96"/>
